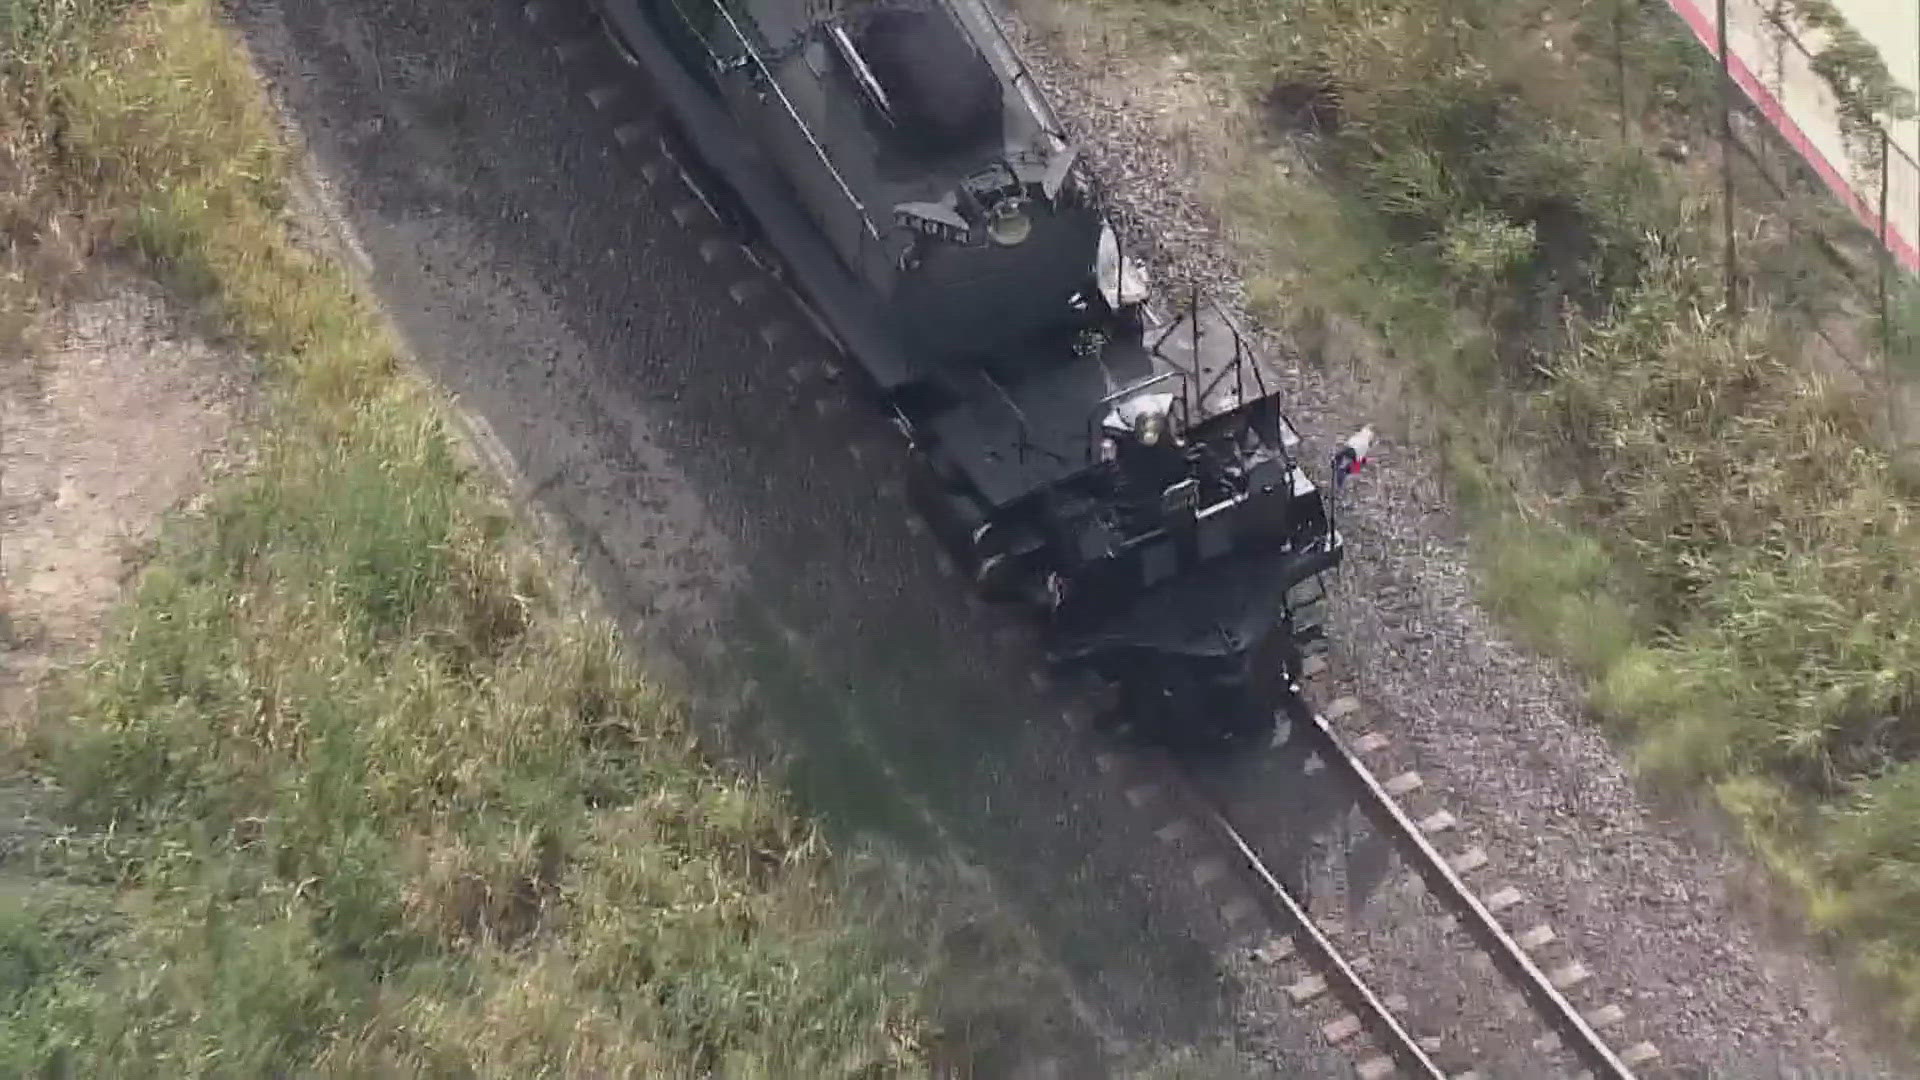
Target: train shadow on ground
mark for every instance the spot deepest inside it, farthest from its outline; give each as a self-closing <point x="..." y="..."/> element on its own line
<point x="1305" y="820"/>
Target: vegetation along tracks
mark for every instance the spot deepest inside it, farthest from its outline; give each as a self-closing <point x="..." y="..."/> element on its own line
<point x="1227" y="857"/>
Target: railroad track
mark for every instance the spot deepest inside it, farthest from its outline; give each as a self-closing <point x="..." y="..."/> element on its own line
<point x="1332" y="980"/>
<point x="1225" y="857"/>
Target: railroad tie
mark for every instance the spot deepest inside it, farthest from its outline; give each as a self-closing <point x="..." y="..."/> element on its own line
<point x="1046" y="1069"/>
<point x="1536" y="937"/>
<point x="1570" y="975"/>
<point x="1639" y="1053"/>
<point x="1377" y="1067"/>
<point x="1406" y="782"/>
<point x="550" y="15"/>
<point x="1175" y="831"/>
<point x="1274" y="951"/>
<point x="602" y="96"/>
<point x="1504" y="899"/>
<point x="574" y="48"/>
<point x="1341" y="1028"/>
<point x="1438" y="821"/>
<point x="773" y="333"/>
<point x="1207" y="871"/>
<point x="1343" y="706"/>
<point x="1469" y="860"/>
<point x="1371" y="742"/>
<point x="1308" y="988"/>
<point x="629" y="135"/>
<point x="1239" y="911"/>
<point x="1605" y="1016"/>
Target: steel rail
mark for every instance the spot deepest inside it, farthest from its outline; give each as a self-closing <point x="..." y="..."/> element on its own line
<point x="1447" y="885"/>
<point x="1396" y="1041"/>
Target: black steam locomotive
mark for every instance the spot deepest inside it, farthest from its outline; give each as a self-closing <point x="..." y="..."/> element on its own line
<point x="1127" y="472"/>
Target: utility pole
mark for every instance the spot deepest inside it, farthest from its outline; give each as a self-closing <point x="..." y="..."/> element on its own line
<point x="1620" y="63"/>
<point x="1886" y="271"/>
<point x="1726" y="156"/>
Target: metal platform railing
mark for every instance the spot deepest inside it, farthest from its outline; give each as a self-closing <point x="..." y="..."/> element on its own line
<point x="869" y="234"/>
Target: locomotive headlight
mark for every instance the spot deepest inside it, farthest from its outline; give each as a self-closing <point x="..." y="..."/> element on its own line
<point x="1008" y="223"/>
<point x="1149" y="428"/>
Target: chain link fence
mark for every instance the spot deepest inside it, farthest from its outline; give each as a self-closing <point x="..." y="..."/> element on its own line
<point x="1822" y="202"/>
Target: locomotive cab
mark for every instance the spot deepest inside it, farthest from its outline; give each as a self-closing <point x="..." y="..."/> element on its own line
<point x="1173" y="580"/>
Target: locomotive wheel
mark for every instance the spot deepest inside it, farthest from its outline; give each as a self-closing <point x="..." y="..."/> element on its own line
<point x="997" y="577"/>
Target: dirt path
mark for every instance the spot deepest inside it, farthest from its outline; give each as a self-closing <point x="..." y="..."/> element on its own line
<point x="114" y="418"/>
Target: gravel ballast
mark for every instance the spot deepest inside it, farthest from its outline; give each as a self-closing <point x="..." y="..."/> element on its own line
<point x="1666" y="917"/>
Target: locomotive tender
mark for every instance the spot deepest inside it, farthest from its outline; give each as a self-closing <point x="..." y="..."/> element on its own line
<point x="1127" y="473"/>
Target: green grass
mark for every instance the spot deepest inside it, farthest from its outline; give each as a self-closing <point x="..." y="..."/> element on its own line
<point x="1670" y="495"/>
<point x="355" y="787"/>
